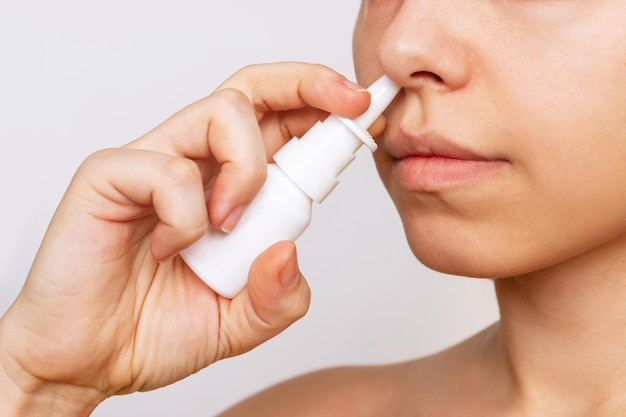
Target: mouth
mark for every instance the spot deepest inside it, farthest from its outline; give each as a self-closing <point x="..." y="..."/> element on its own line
<point x="429" y="162"/>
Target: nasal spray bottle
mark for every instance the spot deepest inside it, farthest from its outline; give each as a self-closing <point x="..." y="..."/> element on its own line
<point x="304" y="170"/>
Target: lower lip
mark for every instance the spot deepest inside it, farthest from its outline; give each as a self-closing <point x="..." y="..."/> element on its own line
<point x="434" y="173"/>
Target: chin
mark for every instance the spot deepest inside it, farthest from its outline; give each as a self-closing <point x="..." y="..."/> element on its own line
<point x="451" y="263"/>
<point x="473" y="258"/>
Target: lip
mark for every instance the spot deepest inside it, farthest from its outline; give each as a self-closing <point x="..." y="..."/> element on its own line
<point x="429" y="162"/>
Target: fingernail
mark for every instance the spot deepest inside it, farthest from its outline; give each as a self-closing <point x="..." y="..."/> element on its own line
<point x="232" y="219"/>
<point x="289" y="274"/>
<point x="353" y="86"/>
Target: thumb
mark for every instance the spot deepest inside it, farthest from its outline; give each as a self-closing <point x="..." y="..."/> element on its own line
<point x="276" y="296"/>
<point x="278" y="292"/>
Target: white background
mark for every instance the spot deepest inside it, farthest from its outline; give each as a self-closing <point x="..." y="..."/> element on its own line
<point x="76" y="76"/>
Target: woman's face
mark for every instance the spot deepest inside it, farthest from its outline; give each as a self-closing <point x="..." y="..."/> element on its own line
<point x="506" y="151"/>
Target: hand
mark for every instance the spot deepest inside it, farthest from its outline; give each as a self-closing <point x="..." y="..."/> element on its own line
<point x="109" y="307"/>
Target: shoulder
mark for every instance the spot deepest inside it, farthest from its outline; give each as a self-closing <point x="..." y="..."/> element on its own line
<point x="346" y="391"/>
<point x="421" y="387"/>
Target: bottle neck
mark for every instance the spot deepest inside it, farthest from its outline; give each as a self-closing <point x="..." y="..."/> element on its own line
<point x="301" y="167"/>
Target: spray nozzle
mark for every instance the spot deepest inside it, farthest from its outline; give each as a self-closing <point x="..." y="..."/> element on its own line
<point x="315" y="161"/>
<point x="382" y="91"/>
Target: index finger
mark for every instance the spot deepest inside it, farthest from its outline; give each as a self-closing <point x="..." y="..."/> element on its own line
<point x="269" y="87"/>
<point x="294" y="85"/>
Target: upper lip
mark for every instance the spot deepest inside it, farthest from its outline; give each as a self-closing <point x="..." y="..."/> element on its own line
<point x="401" y="144"/>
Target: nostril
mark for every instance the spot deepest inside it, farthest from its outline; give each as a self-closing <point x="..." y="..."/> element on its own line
<point x="426" y="75"/>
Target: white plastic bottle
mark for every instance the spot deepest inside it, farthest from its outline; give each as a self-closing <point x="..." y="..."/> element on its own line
<point x="305" y="170"/>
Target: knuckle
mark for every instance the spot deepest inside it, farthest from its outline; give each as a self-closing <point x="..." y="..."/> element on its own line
<point x="247" y="69"/>
<point x="96" y="159"/>
<point x="193" y="232"/>
<point x="230" y="98"/>
<point x="321" y="68"/>
<point x="302" y="307"/>
<point x="253" y="171"/>
<point x="252" y="71"/>
<point x="252" y="174"/>
<point x="298" y="304"/>
<point x="99" y="155"/>
<point x="180" y="171"/>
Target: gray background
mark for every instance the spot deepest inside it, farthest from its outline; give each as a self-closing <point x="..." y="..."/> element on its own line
<point x="76" y="76"/>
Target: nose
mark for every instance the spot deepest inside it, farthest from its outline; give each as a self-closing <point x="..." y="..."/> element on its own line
<point x="424" y="47"/>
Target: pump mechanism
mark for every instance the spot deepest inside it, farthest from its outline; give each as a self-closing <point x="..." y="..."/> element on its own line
<point x="315" y="161"/>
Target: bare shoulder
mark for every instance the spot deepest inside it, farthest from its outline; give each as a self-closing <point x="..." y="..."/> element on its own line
<point x="419" y="387"/>
<point x="346" y="391"/>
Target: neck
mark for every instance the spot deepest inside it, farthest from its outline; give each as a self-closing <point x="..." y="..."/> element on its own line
<point x="563" y="330"/>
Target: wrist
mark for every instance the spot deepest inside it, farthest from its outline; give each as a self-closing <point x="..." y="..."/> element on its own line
<point x="23" y="394"/>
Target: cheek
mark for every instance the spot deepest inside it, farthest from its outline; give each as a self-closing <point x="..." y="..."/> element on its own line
<point x="561" y="94"/>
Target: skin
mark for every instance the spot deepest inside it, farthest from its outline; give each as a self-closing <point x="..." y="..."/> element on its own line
<point x="537" y="90"/>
